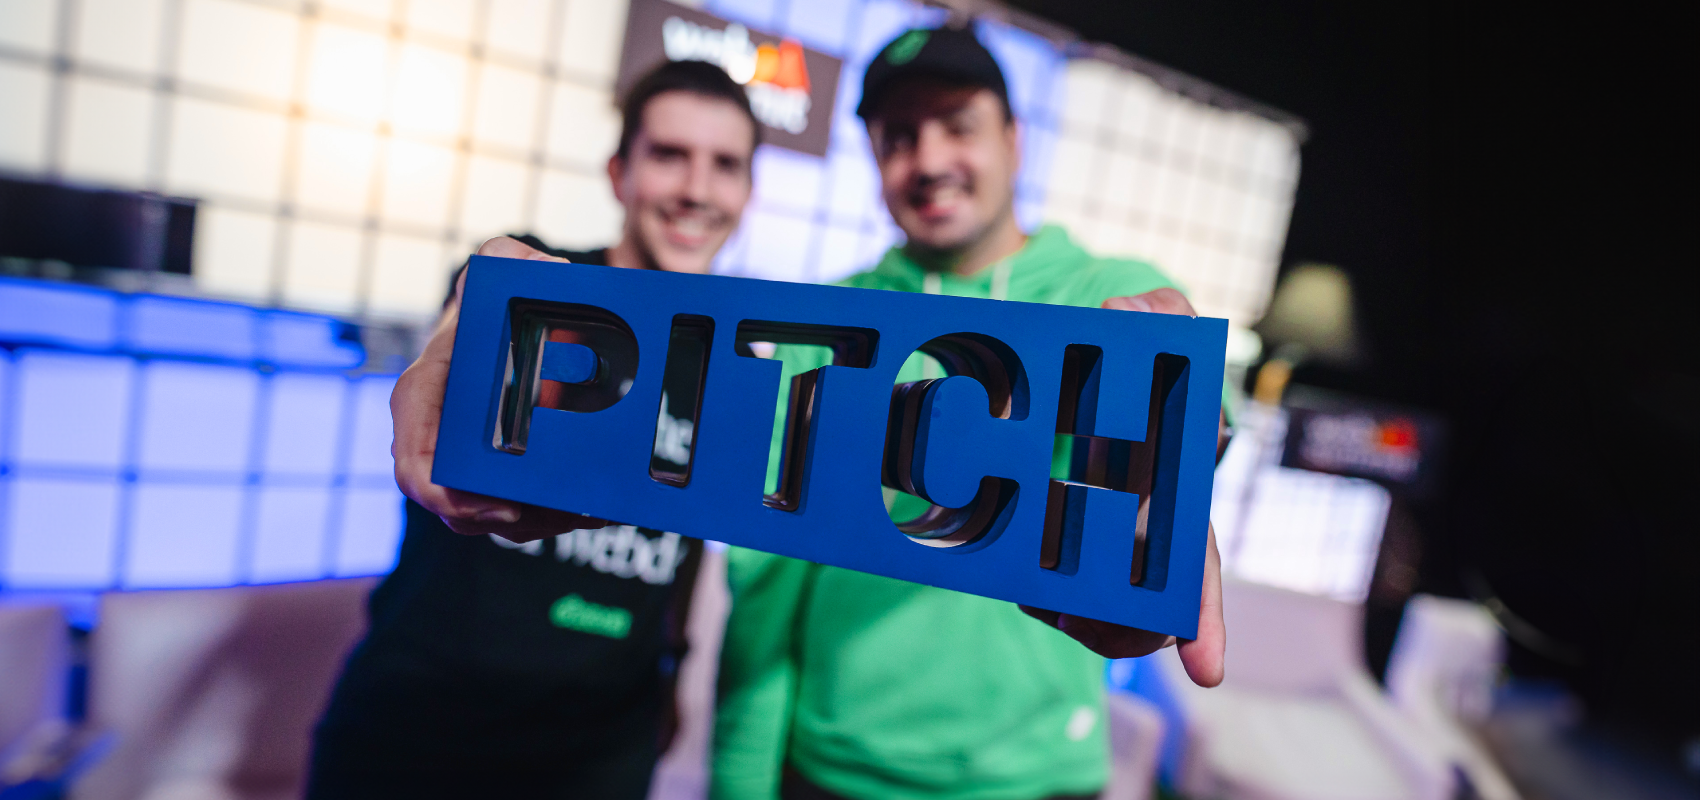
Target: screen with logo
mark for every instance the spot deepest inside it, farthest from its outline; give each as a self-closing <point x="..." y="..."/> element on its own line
<point x="791" y="87"/>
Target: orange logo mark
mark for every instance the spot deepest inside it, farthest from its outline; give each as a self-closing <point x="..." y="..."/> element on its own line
<point x="782" y="66"/>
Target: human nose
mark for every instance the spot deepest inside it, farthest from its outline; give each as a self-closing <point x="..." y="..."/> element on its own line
<point x="932" y="150"/>
<point x="699" y="180"/>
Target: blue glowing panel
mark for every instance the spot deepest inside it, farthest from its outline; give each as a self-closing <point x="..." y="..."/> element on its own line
<point x="787" y="179"/>
<point x="196" y="416"/>
<point x="1029" y="213"/>
<point x="879" y="22"/>
<point x="289" y="534"/>
<point x="73" y="409"/>
<point x="371" y="528"/>
<point x="755" y="13"/>
<point x="195" y="328"/>
<point x="373" y="430"/>
<point x="1029" y="66"/>
<point x="303" y="423"/>
<point x="42" y="312"/>
<point x="821" y="24"/>
<point x="855" y="193"/>
<point x="5" y="404"/>
<point x="305" y="340"/>
<point x="778" y="246"/>
<point x="182" y="535"/>
<point x="1037" y="146"/>
<point x="848" y="134"/>
<point x="60" y="534"/>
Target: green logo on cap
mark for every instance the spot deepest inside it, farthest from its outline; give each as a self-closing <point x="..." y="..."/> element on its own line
<point x="906" y="47"/>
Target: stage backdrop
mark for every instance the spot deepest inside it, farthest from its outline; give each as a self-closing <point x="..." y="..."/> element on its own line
<point x="347" y="154"/>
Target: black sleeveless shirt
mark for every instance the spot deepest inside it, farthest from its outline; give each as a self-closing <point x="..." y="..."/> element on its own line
<point x="488" y="655"/>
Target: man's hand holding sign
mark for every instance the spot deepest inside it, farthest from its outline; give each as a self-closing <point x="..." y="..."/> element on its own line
<point x="417" y="403"/>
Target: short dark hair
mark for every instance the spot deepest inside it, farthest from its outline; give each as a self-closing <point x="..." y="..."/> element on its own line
<point x="696" y="77"/>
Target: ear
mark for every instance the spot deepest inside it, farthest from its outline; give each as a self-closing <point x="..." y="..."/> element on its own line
<point x="617" y="177"/>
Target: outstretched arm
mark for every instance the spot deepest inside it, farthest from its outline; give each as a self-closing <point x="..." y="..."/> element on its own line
<point x="416" y="406"/>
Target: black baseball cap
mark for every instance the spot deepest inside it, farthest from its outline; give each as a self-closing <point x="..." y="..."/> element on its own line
<point x="953" y="54"/>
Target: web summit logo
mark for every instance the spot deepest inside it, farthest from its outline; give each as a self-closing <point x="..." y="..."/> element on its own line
<point x="775" y="77"/>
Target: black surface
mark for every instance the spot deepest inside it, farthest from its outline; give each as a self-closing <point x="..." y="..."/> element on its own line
<point x="95" y="227"/>
<point x="1506" y="187"/>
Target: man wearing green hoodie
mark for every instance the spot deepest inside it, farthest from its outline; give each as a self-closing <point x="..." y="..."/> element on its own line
<point x="839" y="684"/>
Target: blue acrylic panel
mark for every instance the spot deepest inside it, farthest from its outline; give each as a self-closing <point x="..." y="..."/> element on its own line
<point x="289" y="534"/>
<point x="303" y="419"/>
<point x="182" y="535"/>
<point x="64" y="315"/>
<point x="371" y="527"/>
<point x="369" y="452"/>
<point x="60" y="534"/>
<point x="306" y="340"/>
<point x="191" y="328"/>
<point x="1140" y="394"/>
<point x="196" y="416"/>
<point x="73" y="409"/>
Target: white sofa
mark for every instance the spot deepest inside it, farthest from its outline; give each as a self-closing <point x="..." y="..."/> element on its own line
<point x="212" y="693"/>
<point x="1298" y="717"/>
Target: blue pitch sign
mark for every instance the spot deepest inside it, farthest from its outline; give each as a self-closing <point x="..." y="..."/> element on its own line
<point x="558" y="379"/>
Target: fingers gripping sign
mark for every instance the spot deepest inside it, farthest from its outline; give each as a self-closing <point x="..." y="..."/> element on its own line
<point x="416" y="407"/>
<point x="1202" y="656"/>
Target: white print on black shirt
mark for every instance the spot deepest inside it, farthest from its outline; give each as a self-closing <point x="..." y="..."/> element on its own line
<point x="672" y="436"/>
<point x="618" y="550"/>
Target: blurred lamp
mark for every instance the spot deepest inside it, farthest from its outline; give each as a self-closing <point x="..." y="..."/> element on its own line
<point x="1311" y="316"/>
<point x="1310" y="319"/>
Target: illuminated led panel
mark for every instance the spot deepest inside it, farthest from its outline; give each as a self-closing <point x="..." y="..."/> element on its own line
<point x="38" y="313"/>
<point x="369" y="452"/>
<point x="172" y="326"/>
<point x="196" y="417"/>
<point x="370" y="531"/>
<point x="60" y="534"/>
<point x="304" y="415"/>
<point x="183" y="535"/>
<point x="73" y="410"/>
<point x="289" y="534"/>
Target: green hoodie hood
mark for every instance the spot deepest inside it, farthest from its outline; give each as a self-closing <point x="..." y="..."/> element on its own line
<point x="1050" y="268"/>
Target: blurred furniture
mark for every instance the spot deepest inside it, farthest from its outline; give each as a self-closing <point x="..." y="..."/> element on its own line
<point x="35" y="659"/>
<point x="212" y="693"/>
<point x="1298" y="716"/>
<point x="1442" y="674"/>
<point x="1136" y="739"/>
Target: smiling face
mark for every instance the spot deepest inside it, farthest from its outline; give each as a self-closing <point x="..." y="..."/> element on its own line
<point x="947" y="156"/>
<point x="684" y="181"/>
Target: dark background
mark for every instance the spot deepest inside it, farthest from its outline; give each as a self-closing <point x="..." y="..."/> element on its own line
<point x="1508" y="189"/>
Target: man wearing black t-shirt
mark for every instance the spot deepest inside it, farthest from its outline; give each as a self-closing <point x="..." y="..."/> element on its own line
<point x="541" y="665"/>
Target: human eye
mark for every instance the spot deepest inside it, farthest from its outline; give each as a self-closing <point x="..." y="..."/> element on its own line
<point x="667" y="153"/>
